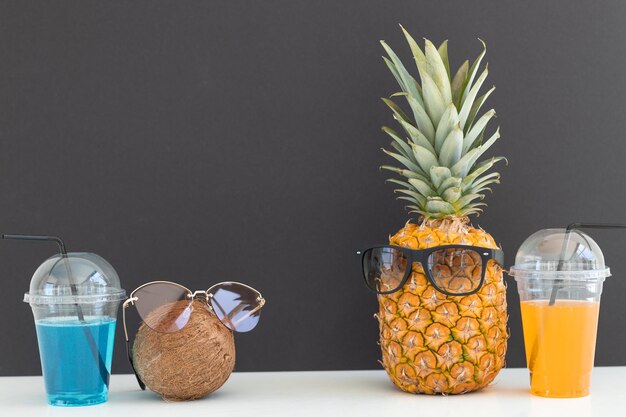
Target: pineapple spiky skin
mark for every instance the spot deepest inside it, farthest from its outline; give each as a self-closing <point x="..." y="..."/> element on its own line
<point x="437" y="344"/>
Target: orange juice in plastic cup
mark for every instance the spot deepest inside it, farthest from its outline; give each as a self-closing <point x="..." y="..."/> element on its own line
<point x="560" y="342"/>
<point x="559" y="275"/>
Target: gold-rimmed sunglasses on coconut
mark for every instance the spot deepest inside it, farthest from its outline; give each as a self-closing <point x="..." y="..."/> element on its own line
<point x="166" y="307"/>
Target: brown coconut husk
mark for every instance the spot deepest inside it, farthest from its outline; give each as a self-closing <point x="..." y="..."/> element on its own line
<point x="190" y="363"/>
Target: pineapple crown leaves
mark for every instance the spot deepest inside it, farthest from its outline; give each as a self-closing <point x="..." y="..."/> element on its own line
<point x="443" y="139"/>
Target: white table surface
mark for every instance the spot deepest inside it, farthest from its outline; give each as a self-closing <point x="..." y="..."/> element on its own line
<point x="329" y="393"/>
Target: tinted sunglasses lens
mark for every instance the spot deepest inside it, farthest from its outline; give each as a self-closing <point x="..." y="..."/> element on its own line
<point x="384" y="268"/>
<point x="236" y="305"/>
<point x="456" y="270"/>
<point x="164" y="307"/>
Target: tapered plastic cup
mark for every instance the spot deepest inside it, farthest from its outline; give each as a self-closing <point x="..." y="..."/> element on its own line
<point x="74" y="299"/>
<point x="559" y="277"/>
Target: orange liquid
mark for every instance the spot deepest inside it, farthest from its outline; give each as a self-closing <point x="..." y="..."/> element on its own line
<point x="560" y="343"/>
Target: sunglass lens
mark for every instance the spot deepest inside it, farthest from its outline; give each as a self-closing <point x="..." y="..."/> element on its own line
<point x="164" y="307"/>
<point x="456" y="270"/>
<point x="236" y="305"/>
<point x="384" y="268"/>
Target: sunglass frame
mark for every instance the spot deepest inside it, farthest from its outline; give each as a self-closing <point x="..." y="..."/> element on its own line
<point x="421" y="256"/>
<point x="132" y="299"/>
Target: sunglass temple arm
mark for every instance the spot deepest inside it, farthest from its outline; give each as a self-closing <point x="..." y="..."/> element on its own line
<point x="248" y="314"/>
<point x="226" y="316"/>
<point x="130" y="301"/>
<point x="261" y="301"/>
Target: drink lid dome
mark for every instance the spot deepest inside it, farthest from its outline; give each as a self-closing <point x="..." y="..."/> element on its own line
<point x="75" y="279"/>
<point x="560" y="254"/>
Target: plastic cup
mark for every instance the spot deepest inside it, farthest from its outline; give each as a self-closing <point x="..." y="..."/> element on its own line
<point x="559" y="276"/>
<point x="74" y="301"/>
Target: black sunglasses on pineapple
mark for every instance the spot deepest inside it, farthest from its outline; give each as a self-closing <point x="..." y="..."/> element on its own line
<point x="454" y="270"/>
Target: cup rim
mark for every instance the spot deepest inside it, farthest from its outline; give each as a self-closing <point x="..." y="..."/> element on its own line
<point x="578" y="275"/>
<point x="111" y="295"/>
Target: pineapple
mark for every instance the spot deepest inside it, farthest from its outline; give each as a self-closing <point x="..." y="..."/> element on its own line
<point x="432" y="343"/>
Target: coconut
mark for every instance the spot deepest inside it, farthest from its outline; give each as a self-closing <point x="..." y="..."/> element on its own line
<point x="187" y="364"/>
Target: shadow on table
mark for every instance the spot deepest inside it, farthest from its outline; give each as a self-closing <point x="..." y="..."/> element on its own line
<point x="136" y="397"/>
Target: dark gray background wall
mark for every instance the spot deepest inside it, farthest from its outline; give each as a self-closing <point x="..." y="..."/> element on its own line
<point x="213" y="140"/>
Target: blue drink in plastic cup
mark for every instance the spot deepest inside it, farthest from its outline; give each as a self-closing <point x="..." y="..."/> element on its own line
<point x="63" y="342"/>
<point x="75" y="301"/>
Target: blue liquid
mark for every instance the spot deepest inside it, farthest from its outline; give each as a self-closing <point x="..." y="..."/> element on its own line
<point x="69" y="361"/>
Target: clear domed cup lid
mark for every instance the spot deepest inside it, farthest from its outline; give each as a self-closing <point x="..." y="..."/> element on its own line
<point x="564" y="254"/>
<point x="77" y="278"/>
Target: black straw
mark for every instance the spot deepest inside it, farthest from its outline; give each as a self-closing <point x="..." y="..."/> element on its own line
<point x="55" y="239"/>
<point x="575" y="226"/>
